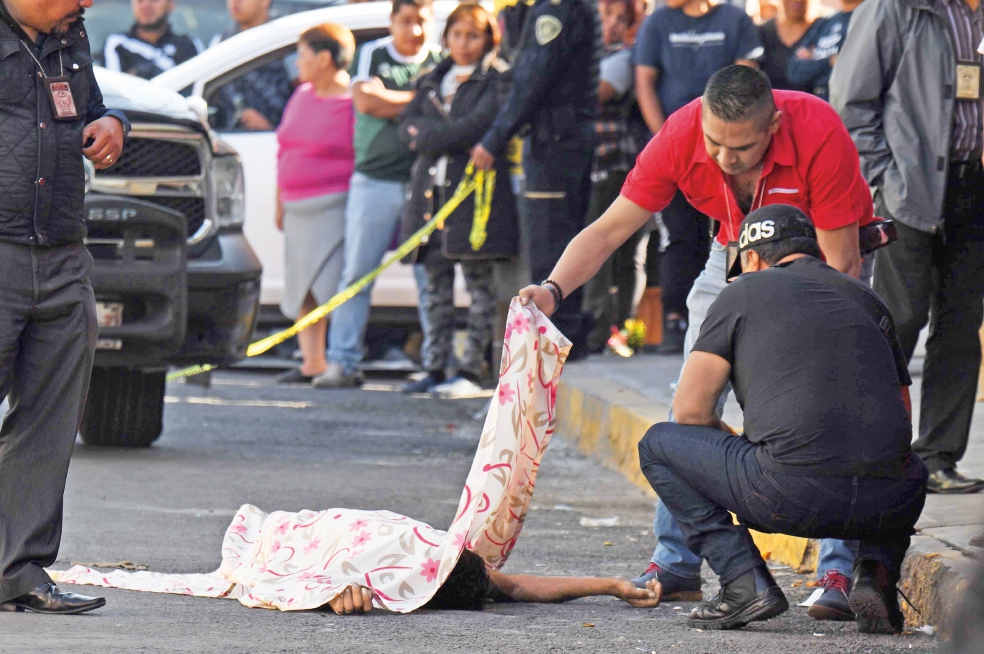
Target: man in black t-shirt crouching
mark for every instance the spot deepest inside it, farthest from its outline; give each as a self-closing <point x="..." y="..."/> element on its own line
<point x="823" y="383"/>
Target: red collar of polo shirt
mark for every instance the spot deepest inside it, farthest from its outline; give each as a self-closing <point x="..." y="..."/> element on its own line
<point x="780" y="150"/>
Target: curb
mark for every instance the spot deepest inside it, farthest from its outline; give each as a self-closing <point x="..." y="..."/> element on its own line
<point x="607" y="423"/>
<point x="935" y="578"/>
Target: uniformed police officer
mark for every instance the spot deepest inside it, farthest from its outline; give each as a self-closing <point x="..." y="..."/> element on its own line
<point x="555" y="82"/>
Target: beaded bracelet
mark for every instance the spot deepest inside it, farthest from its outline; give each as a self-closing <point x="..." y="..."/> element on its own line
<point x="555" y="290"/>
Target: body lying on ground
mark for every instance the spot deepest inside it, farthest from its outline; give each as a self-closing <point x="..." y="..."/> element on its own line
<point x="472" y="584"/>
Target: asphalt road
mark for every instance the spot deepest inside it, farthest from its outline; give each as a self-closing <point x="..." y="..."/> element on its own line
<point x="248" y="440"/>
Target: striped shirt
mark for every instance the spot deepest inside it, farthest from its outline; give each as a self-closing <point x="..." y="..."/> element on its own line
<point x="966" y="31"/>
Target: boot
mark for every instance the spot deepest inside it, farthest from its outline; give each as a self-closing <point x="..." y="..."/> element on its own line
<point x="874" y="599"/>
<point x="751" y="597"/>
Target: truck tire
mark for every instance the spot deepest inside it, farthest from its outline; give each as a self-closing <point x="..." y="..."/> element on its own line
<point x="125" y="408"/>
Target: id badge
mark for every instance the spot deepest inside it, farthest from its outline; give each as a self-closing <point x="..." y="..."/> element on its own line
<point x="62" y="100"/>
<point x="968" y="81"/>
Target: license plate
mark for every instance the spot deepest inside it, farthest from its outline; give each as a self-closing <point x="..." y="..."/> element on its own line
<point x="109" y="344"/>
<point x="109" y="314"/>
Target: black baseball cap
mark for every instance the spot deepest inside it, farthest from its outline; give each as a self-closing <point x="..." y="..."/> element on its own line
<point x="765" y="225"/>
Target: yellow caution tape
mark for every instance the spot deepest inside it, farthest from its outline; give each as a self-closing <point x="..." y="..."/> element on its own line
<point x="484" y="189"/>
<point x="465" y="188"/>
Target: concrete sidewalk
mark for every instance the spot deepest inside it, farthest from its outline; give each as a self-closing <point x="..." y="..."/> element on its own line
<point x="606" y="404"/>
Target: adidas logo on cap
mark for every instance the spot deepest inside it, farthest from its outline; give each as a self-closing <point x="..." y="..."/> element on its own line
<point x="754" y="232"/>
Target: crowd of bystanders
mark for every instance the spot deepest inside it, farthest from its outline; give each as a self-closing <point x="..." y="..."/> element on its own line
<point x="365" y="149"/>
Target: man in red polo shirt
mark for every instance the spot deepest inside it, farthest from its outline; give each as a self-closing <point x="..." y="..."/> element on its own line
<point x="739" y="147"/>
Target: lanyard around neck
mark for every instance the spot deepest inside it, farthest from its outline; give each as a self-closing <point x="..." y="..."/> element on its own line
<point x="61" y="61"/>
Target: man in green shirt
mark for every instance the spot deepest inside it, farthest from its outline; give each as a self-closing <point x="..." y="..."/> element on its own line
<point x="383" y="76"/>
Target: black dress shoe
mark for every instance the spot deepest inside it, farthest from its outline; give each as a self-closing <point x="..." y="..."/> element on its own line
<point x="47" y="598"/>
<point x="874" y="599"/>
<point x="951" y="482"/>
<point x="752" y="597"/>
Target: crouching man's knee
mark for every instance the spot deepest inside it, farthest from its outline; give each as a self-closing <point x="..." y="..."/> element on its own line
<point x="651" y="445"/>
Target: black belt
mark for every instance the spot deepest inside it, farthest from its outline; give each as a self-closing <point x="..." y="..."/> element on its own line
<point x="965" y="169"/>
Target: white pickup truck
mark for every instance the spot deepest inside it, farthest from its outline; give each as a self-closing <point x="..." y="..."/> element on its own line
<point x="395" y="294"/>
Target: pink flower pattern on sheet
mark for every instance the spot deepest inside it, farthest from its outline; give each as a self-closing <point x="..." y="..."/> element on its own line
<point x="506" y="394"/>
<point x="430" y="570"/>
<point x="300" y="561"/>
<point x="312" y="546"/>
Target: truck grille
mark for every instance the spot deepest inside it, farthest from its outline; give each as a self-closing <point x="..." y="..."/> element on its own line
<point x="192" y="208"/>
<point x="156" y="158"/>
<point x="164" y="165"/>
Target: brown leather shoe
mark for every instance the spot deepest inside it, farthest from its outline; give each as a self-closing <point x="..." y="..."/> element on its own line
<point x="951" y="482"/>
<point x="47" y="598"/>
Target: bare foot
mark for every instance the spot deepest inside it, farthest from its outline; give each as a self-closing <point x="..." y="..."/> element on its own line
<point x="354" y="599"/>
<point x="640" y="598"/>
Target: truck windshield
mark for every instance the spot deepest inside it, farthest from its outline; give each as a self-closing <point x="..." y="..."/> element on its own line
<point x="202" y="20"/>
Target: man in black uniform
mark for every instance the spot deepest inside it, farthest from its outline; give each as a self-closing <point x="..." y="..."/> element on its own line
<point x="555" y="86"/>
<point x="823" y="383"/>
<point x="53" y="115"/>
<point x="150" y="47"/>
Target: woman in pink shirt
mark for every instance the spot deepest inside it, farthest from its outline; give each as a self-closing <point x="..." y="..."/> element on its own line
<point x="315" y="163"/>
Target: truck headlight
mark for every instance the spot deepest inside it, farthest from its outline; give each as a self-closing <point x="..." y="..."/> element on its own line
<point x="229" y="190"/>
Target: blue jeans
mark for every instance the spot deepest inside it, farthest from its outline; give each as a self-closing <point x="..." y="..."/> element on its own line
<point x="672" y="554"/>
<point x="373" y="211"/>
<point x="703" y="473"/>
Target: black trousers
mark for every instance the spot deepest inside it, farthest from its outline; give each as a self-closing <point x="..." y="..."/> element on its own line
<point x="558" y="188"/>
<point x="623" y="270"/>
<point x="684" y="243"/>
<point x="939" y="278"/>
<point x="47" y="341"/>
<point x="701" y="474"/>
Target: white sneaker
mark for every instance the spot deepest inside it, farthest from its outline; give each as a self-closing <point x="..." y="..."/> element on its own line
<point x="458" y="388"/>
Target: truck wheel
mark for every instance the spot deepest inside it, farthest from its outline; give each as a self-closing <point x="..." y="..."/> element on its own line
<point x="125" y="408"/>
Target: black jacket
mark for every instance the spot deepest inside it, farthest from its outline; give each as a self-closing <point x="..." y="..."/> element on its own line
<point x="42" y="179"/>
<point x="555" y="73"/>
<point x="454" y="133"/>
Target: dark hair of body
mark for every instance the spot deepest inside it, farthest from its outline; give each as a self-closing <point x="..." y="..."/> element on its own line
<point x="737" y="94"/>
<point x="466" y="588"/>
<point x="478" y="16"/>
<point x="333" y="38"/>
<point x="410" y="3"/>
